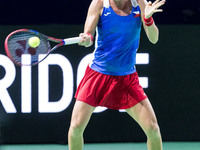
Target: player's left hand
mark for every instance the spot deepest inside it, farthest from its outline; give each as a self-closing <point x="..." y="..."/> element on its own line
<point x="152" y="8"/>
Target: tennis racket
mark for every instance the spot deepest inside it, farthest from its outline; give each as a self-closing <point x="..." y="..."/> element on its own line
<point x="16" y="44"/>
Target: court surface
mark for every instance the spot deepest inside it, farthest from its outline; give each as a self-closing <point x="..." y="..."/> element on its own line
<point x="108" y="146"/>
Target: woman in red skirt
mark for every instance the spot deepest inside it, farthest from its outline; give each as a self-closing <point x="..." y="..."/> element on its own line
<point x="111" y="79"/>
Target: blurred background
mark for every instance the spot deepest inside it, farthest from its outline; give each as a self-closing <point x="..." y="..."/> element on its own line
<point x="172" y="73"/>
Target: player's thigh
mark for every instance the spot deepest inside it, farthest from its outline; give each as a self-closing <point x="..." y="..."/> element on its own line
<point x="144" y="115"/>
<point x="81" y="114"/>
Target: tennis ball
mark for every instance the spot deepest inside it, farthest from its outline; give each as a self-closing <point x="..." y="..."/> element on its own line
<point x="34" y="42"/>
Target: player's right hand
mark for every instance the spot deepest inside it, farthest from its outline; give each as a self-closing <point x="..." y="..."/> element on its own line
<point x="86" y="40"/>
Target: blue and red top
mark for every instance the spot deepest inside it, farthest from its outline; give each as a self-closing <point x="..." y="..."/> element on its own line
<point x="117" y="41"/>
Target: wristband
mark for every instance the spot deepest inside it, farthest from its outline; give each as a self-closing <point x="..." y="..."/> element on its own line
<point x="148" y="22"/>
<point x="90" y="36"/>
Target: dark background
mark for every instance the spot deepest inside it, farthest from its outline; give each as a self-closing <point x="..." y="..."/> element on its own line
<point x="74" y="12"/>
<point x="173" y="74"/>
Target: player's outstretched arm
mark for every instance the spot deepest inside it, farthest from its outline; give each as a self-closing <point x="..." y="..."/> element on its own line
<point x="147" y="11"/>
<point x="94" y="12"/>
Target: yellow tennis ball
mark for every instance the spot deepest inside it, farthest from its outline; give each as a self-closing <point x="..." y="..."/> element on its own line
<point x="34" y="42"/>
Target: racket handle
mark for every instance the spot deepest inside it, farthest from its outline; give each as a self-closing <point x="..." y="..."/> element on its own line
<point x="70" y="41"/>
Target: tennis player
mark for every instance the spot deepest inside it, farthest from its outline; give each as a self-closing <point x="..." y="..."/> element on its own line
<point x="111" y="79"/>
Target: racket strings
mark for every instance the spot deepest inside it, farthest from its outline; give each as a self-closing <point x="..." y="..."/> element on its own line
<point x="18" y="45"/>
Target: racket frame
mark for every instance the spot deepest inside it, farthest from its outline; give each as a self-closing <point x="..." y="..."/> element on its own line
<point x="61" y="42"/>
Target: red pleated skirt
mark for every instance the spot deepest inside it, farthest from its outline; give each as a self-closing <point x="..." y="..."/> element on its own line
<point x="113" y="92"/>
